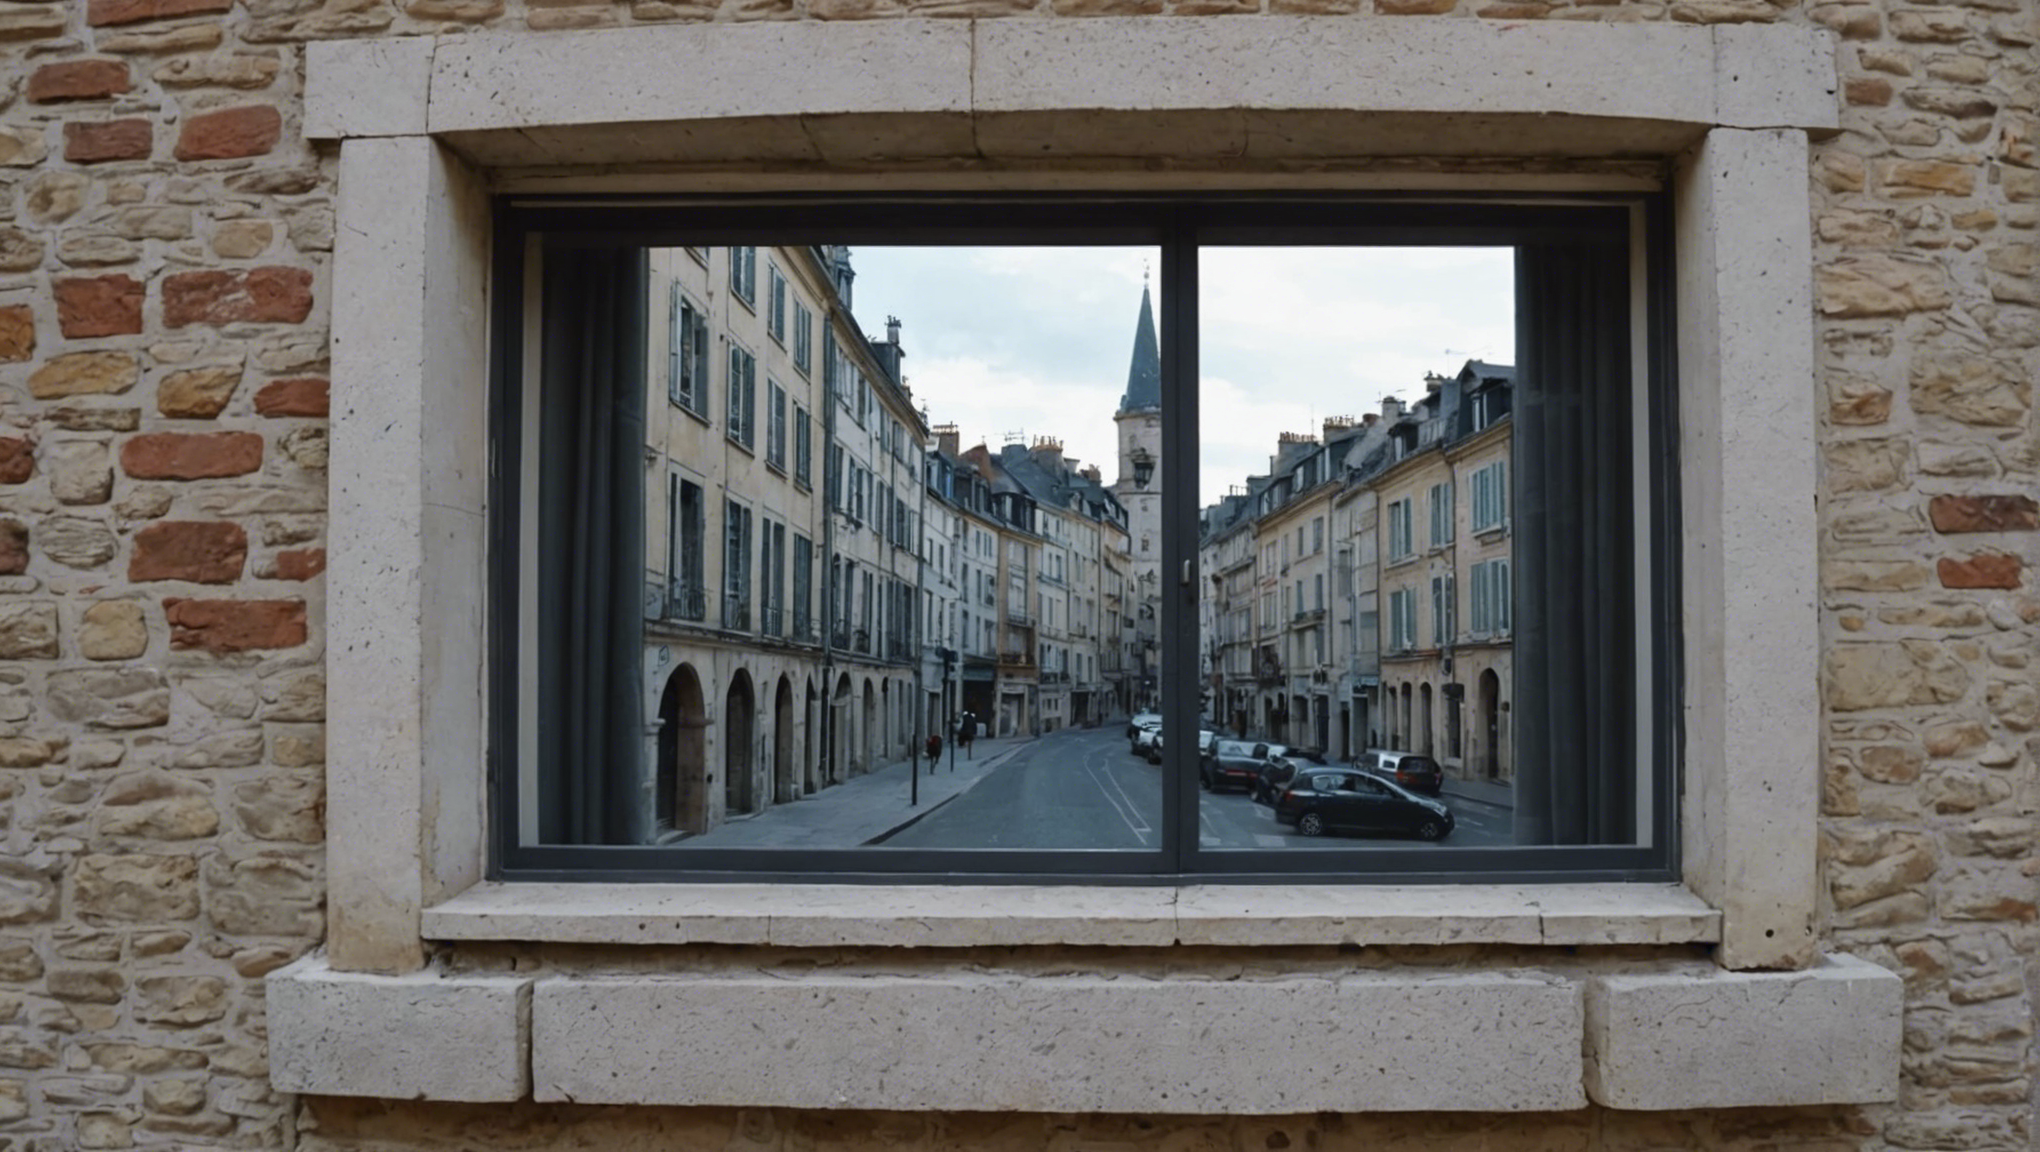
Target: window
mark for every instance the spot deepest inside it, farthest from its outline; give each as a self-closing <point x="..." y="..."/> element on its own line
<point x="803" y="338"/>
<point x="743" y="397"/>
<point x="1490" y="496"/>
<point x="744" y="274"/>
<point x="686" y="595"/>
<point x="775" y="427"/>
<point x="1489" y="597"/>
<point x="803" y="446"/>
<point x="775" y="313"/>
<point x="1444" y="612"/>
<point x="803" y="589"/>
<point x="1402" y="620"/>
<point x="1400" y="543"/>
<point x="686" y="354"/>
<point x="866" y="709"/>
<point x="736" y="601"/>
<point x="1441" y="514"/>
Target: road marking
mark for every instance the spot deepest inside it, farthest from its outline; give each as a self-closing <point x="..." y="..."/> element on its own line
<point x="1122" y="804"/>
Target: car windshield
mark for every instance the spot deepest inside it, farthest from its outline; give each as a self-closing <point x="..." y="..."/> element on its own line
<point x="1233" y="748"/>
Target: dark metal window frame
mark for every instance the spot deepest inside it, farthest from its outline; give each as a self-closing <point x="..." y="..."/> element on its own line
<point x="1178" y="225"/>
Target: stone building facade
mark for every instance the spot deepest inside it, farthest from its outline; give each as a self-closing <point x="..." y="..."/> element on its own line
<point x="184" y="331"/>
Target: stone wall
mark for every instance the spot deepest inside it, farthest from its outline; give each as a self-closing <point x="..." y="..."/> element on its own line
<point x="164" y="235"/>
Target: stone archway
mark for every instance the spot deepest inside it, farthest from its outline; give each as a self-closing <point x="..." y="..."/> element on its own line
<point x="740" y="722"/>
<point x="680" y="796"/>
<point x="867" y="746"/>
<point x="1487" y="702"/>
<point x="810" y="762"/>
<point x="1423" y="719"/>
<point x="785" y="772"/>
<point x="840" y="742"/>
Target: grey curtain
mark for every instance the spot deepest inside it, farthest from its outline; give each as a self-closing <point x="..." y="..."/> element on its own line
<point x="1575" y="635"/>
<point x="590" y="549"/>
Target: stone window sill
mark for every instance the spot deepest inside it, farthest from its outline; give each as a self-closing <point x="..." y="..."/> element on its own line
<point x="1667" y="1034"/>
<point x="933" y="916"/>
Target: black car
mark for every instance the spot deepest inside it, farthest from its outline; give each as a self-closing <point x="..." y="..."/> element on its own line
<point x="1279" y="765"/>
<point x="1229" y="764"/>
<point x="1346" y="800"/>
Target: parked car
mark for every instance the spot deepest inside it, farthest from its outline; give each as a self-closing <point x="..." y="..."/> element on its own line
<point x="1141" y="720"/>
<point x="1346" y="800"/>
<point x="1144" y="738"/>
<point x="1229" y="764"/>
<point x="1279" y="763"/>
<point x="1412" y="770"/>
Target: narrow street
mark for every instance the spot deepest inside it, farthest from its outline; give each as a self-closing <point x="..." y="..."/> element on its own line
<point x="1082" y="789"/>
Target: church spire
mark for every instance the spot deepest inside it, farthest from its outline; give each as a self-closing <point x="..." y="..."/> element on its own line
<point x="1144" y="375"/>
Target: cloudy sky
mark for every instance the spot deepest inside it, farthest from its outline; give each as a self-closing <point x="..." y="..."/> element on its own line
<point x="1026" y="342"/>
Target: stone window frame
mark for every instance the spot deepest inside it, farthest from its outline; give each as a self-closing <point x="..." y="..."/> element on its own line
<point x="429" y="128"/>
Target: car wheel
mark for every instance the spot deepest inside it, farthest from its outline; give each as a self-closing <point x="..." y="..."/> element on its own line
<point x="1310" y="824"/>
<point x="1431" y="830"/>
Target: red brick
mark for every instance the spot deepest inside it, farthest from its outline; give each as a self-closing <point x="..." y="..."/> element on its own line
<point x="94" y="143"/>
<point x="302" y="397"/>
<point x="102" y="12"/>
<point x="191" y="455"/>
<point x="13" y="547"/>
<point x="78" y="80"/>
<point x="17" y="460"/>
<point x="1984" y="513"/>
<point x="300" y="563"/>
<point x="99" y="306"/>
<point x="17" y="333"/>
<point x="203" y="552"/>
<point x="1985" y="570"/>
<point x="267" y="295"/>
<point x="219" y="626"/>
<point x="230" y="132"/>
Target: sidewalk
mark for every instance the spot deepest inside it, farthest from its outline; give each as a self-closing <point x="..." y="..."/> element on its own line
<point x="862" y="808"/>
<point x="1501" y="796"/>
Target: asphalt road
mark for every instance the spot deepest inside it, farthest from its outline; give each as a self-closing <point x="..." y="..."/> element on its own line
<point x="1081" y="789"/>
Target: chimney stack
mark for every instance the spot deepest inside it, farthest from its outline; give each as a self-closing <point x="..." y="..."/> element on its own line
<point x="948" y="438"/>
<point x="1391" y="409"/>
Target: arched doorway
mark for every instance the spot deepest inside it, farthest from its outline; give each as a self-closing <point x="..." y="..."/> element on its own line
<point x="1406" y="737"/>
<point x="867" y="748"/>
<point x="740" y="720"/>
<point x="681" y="790"/>
<point x="1488" y="699"/>
<point x="889" y="722"/>
<point x="785" y="772"/>
<point x="810" y="766"/>
<point x="840" y="742"/>
<point x="1423" y="719"/>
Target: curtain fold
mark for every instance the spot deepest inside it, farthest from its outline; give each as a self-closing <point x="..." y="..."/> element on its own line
<point x="1575" y="644"/>
<point x="594" y="772"/>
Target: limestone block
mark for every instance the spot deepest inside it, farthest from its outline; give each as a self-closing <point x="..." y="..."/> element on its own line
<point x="1390" y="1041"/>
<point x="81" y="472"/>
<point x="1707" y="1038"/>
<point x="426" y="1035"/>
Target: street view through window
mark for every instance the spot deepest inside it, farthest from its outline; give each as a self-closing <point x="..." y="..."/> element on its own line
<point x="903" y="563"/>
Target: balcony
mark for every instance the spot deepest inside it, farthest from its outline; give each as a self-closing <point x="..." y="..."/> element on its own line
<point x="804" y="631"/>
<point x="860" y="641"/>
<point x="772" y="621"/>
<point x="1268" y="671"/>
<point x="736" y="616"/>
<point x="1020" y="616"/>
<point x="839" y="636"/>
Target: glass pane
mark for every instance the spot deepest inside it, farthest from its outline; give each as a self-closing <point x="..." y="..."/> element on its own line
<point x="901" y="537"/>
<point x="1356" y="619"/>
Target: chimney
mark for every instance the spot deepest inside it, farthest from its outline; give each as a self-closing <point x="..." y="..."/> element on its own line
<point x="1336" y="424"/>
<point x="1370" y="420"/>
<point x="1433" y="382"/>
<point x="1090" y="472"/>
<point x="1391" y="409"/>
<point x="1047" y="452"/>
<point x="892" y="331"/>
<point x="948" y="438"/>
